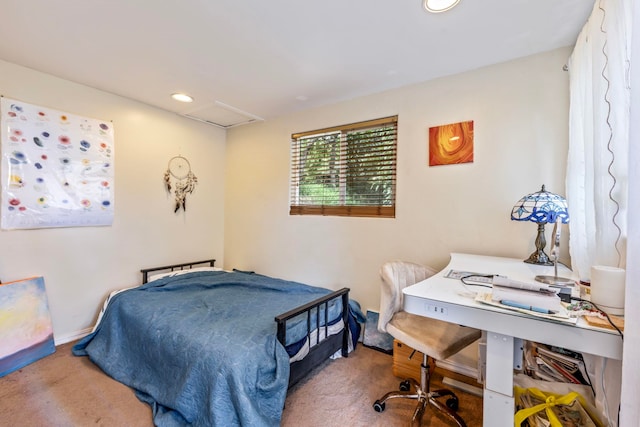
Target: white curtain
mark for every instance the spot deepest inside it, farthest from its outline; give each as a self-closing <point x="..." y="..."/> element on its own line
<point x="597" y="167"/>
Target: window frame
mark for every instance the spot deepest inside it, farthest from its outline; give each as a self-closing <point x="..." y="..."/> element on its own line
<point x="356" y="210"/>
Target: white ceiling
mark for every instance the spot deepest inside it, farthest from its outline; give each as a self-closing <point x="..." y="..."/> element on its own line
<point x="247" y="60"/>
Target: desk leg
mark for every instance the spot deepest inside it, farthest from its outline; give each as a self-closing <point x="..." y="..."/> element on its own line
<point x="498" y="403"/>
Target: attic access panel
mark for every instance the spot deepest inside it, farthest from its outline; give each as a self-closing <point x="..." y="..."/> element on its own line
<point x="221" y="115"/>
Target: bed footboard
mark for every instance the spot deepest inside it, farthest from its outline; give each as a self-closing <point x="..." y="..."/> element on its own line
<point x="321" y="348"/>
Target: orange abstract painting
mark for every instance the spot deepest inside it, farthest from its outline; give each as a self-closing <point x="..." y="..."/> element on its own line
<point x="451" y="144"/>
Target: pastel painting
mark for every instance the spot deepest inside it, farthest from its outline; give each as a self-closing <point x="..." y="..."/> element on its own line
<point x="26" y="332"/>
<point x="451" y="144"/>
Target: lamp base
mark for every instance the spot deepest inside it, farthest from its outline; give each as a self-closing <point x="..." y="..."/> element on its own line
<point x="539" y="257"/>
<point x="555" y="280"/>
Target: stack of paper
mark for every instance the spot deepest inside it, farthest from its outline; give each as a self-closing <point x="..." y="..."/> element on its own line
<point x="536" y="300"/>
<point x="548" y="306"/>
<point x="505" y="282"/>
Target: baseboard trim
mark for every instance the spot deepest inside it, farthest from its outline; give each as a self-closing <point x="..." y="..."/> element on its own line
<point x="458" y="368"/>
<point x="59" y="340"/>
<point x="477" y="391"/>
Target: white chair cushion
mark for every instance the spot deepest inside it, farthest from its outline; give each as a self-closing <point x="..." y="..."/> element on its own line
<point x="432" y="337"/>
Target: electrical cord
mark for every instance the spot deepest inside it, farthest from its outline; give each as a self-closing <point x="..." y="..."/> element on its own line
<point x="604" y="313"/>
<point x="488" y="276"/>
<point x="607" y="100"/>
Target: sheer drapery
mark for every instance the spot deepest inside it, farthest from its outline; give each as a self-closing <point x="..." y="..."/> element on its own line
<point x="597" y="167"/>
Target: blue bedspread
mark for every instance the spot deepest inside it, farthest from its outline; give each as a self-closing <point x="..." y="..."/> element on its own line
<point x="200" y="357"/>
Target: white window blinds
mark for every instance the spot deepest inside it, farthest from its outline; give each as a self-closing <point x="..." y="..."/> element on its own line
<point x="347" y="170"/>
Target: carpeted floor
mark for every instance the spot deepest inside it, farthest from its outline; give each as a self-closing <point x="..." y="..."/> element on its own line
<point x="62" y="390"/>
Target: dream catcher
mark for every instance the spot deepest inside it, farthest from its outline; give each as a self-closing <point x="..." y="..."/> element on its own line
<point x="184" y="181"/>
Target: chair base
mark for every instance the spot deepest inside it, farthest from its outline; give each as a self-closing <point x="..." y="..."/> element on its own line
<point x="424" y="398"/>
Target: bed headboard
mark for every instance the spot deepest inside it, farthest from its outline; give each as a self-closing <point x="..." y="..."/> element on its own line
<point x="173" y="267"/>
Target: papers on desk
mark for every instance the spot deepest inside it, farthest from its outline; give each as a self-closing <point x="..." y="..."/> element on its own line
<point x="525" y="286"/>
<point x="547" y="306"/>
<point x="479" y="278"/>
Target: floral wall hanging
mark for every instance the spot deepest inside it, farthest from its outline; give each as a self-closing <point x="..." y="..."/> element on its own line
<point x="57" y="168"/>
<point x="184" y="181"/>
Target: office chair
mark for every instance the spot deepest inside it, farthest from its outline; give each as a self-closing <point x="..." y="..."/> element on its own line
<point x="433" y="338"/>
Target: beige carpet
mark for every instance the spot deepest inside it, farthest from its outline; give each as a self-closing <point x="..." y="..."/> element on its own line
<point x="64" y="390"/>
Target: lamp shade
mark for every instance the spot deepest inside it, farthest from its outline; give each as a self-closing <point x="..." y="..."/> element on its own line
<point x="541" y="207"/>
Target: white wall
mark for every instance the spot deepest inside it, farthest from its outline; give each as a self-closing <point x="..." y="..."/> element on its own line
<point x="81" y="265"/>
<point x="520" y="113"/>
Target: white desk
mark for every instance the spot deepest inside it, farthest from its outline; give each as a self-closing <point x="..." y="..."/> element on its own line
<point x="449" y="300"/>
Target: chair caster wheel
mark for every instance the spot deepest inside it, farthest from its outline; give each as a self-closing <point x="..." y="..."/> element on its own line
<point x="452" y="403"/>
<point x="405" y="386"/>
<point x="378" y="406"/>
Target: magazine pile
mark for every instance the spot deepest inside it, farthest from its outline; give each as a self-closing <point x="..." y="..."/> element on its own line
<point x="551" y="363"/>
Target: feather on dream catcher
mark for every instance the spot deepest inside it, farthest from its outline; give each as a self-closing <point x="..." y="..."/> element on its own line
<point x="184" y="181"/>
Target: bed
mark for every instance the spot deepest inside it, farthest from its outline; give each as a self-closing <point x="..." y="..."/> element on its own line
<point x="208" y="347"/>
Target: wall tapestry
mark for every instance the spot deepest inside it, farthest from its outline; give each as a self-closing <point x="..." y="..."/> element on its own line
<point x="57" y="168"/>
<point x="184" y="181"/>
<point x="26" y="332"/>
<point x="451" y="144"/>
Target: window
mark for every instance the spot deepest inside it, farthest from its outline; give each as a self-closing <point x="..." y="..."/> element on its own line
<point x="345" y="170"/>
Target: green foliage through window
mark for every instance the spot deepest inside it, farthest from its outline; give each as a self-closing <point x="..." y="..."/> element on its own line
<point x="353" y="166"/>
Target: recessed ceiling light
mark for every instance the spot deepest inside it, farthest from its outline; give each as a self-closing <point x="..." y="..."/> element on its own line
<point x="437" y="6"/>
<point x="182" y="97"/>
